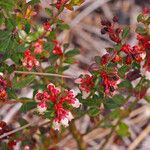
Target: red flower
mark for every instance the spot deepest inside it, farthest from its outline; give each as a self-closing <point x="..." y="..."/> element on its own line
<point x="109" y="81"/>
<point x="145" y="11"/>
<point x="144" y="42"/>
<point x="55" y="95"/>
<point x="26" y="147"/>
<point x="47" y="26"/>
<point x="57" y="49"/>
<point x="38" y="47"/>
<point x="111" y="30"/>
<point x="12" y="144"/>
<point x="4" y="128"/>
<point x="3" y="125"/>
<point x="105" y="58"/>
<point x="60" y="3"/>
<point x="29" y="61"/>
<point x="126" y="48"/>
<point x="3" y="95"/>
<point x="114" y="37"/>
<point x="128" y="59"/>
<point x="116" y="59"/>
<point x="133" y="54"/>
<point x="86" y="83"/>
<point x="62" y="116"/>
<point x="3" y="83"/>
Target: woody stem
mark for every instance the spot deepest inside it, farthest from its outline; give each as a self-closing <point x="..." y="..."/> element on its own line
<point x="77" y="136"/>
<point x="44" y="74"/>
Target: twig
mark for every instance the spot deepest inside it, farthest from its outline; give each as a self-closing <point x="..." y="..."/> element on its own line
<point x="78" y="137"/>
<point x="136" y="142"/>
<point x="16" y="130"/>
<point x="44" y="74"/>
<point x="23" y="127"/>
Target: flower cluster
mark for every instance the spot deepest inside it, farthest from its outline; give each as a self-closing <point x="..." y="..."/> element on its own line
<point x="29" y="60"/>
<point x="57" y="48"/>
<point x="85" y="83"/>
<point x="134" y="53"/>
<point x="113" y="32"/>
<point x="60" y="3"/>
<point x="109" y="82"/>
<point x="58" y="98"/>
<point x="47" y="26"/>
<point x="38" y="46"/>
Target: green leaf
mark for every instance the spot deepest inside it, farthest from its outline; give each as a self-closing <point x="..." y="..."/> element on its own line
<point x="6" y="41"/>
<point x="23" y="82"/>
<point x="49" y="12"/>
<point x="125" y="32"/>
<point x="125" y="84"/>
<point x="72" y="53"/>
<point x="91" y="102"/>
<point x="52" y="35"/>
<point x="119" y="99"/>
<point x="93" y="111"/>
<point x="136" y="66"/>
<point x="11" y="94"/>
<point x="20" y="48"/>
<point x="62" y="26"/>
<point x="28" y="106"/>
<point x="115" y="102"/>
<point x="10" y="24"/>
<point x="123" y="129"/>
<point x="22" y="121"/>
<point x="110" y="104"/>
<point x="16" y="57"/>
<point x="140" y="17"/>
<point x="118" y="46"/>
<point x="114" y="114"/>
<point x="69" y="60"/>
<point x="27" y="28"/>
<point x="122" y="71"/>
<point x="49" y="46"/>
<point x="49" y="114"/>
<point x="141" y="30"/>
<point x="147" y="98"/>
<point x="7" y="5"/>
<point x="64" y="68"/>
<point x="44" y="54"/>
<point x="1" y="18"/>
<point x="97" y="59"/>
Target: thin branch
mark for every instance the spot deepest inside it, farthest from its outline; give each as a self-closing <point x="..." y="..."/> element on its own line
<point x="16" y="130"/>
<point x="44" y="74"/>
<point x="23" y="127"/>
<point x="77" y="136"/>
<point x="138" y="140"/>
